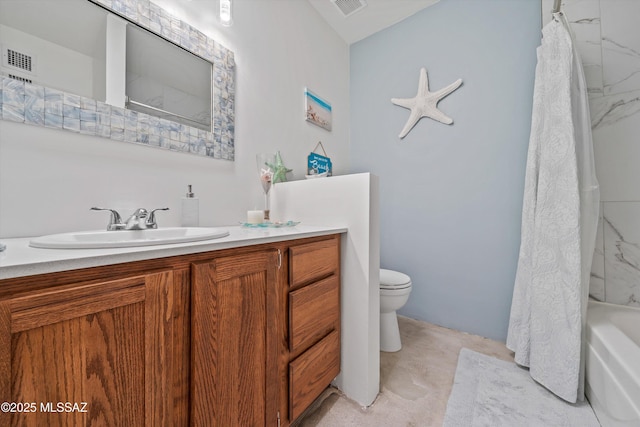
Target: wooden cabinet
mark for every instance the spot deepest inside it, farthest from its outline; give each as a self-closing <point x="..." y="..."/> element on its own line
<point x="248" y="316"/>
<point x="314" y="321"/>
<point x="234" y="379"/>
<point x="237" y="337"/>
<point x="100" y="349"/>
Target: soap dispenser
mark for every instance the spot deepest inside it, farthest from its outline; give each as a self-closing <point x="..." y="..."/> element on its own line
<point x="190" y="210"/>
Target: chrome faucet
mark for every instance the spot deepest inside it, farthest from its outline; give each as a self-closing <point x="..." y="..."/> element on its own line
<point x="141" y="219"/>
<point x="137" y="220"/>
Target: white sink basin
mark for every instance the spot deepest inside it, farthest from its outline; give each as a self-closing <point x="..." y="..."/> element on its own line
<point x="127" y="238"/>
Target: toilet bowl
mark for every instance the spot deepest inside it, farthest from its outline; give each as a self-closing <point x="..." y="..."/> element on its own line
<point x="395" y="288"/>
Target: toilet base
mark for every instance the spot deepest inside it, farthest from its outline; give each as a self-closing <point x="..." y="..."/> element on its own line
<point x="389" y="332"/>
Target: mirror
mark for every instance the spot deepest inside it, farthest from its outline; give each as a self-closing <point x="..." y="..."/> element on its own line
<point x="137" y="74"/>
<point x="40" y="44"/>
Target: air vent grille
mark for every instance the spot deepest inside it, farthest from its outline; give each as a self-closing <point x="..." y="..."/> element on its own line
<point x="19" y="60"/>
<point x="349" y="7"/>
<point x="19" y="78"/>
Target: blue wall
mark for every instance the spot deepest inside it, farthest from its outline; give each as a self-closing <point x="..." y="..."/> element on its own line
<point x="450" y="195"/>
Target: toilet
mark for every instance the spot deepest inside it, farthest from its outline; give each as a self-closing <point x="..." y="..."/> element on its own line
<point x="395" y="288"/>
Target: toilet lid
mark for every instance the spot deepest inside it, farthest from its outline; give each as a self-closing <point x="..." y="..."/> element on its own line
<point x="393" y="279"/>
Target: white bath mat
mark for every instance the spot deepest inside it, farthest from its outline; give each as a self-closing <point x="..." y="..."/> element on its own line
<point x="488" y="392"/>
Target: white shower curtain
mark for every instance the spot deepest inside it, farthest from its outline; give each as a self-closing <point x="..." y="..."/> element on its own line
<point x="559" y="222"/>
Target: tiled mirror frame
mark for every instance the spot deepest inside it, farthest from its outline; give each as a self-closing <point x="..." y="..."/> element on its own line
<point x="42" y="106"/>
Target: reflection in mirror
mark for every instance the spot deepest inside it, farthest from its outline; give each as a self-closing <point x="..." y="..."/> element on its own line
<point x="78" y="83"/>
<point x="180" y="92"/>
<point x="40" y="44"/>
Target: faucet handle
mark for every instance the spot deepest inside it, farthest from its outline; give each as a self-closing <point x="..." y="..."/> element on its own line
<point x="115" y="221"/>
<point x="151" y="220"/>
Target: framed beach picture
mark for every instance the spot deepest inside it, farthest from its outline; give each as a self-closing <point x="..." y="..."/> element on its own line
<point x="318" y="111"/>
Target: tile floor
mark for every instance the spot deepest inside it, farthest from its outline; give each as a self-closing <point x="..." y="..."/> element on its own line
<point x="414" y="383"/>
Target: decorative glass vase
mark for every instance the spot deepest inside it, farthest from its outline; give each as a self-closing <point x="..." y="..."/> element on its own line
<point x="265" y="164"/>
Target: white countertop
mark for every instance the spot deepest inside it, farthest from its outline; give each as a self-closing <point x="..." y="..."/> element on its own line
<point x="19" y="259"/>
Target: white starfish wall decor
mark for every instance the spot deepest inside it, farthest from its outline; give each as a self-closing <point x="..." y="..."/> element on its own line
<point x="424" y="104"/>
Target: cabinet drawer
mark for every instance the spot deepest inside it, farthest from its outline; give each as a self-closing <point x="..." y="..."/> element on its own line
<point x="314" y="311"/>
<point x="312" y="372"/>
<point x="313" y="261"/>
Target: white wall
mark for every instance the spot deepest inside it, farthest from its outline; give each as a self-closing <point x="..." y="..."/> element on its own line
<point x="49" y="178"/>
<point x="349" y="201"/>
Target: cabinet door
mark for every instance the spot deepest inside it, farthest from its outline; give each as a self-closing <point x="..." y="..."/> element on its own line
<point x="89" y="354"/>
<point x="234" y="371"/>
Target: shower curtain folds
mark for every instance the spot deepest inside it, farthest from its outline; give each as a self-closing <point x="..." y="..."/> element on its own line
<point x="559" y="222"/>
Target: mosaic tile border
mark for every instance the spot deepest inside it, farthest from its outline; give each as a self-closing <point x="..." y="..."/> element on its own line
<point x="42" y="106"/>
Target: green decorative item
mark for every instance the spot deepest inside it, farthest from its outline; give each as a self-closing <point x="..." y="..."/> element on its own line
<point x="279" y="169"/>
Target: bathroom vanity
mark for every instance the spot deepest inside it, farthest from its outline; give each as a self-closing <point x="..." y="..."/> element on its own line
<point x="244" y="330"/>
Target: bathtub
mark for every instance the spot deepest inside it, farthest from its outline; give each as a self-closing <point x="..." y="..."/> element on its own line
<point x="613" y="363"/>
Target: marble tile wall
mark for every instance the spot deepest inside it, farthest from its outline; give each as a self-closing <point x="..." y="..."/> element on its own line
<point x="607" y="34"/>
<point x="41" y="106"/>
<point x="621" y="244"/>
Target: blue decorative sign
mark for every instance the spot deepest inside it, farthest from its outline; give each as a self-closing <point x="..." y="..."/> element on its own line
<point x="318" y="164"/>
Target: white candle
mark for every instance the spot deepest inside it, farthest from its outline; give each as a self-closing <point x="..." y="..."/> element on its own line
<point x="255" y="217"/>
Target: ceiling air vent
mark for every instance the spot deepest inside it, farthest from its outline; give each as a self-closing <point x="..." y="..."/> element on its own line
<point x="349" y="7"/>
